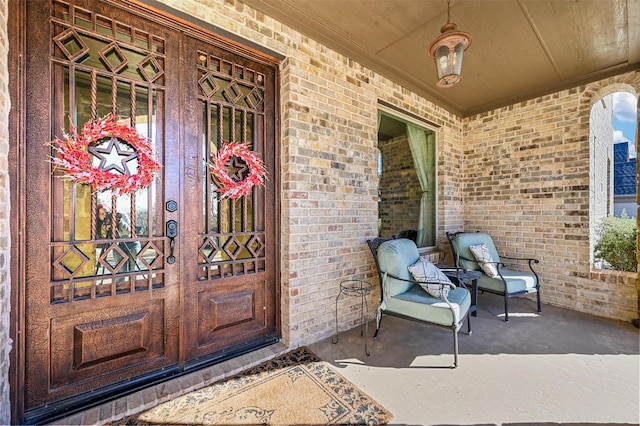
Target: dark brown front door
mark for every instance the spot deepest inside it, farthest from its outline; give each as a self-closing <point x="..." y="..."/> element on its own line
<point x="112" y="298"/>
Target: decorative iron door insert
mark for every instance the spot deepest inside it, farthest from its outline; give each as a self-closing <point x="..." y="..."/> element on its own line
<point x="230" y="284"/>
<point x="125" y="286"/>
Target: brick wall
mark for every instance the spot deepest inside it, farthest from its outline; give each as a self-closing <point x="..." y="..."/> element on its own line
<point x="5" y="237"/>
<point x="527" y="179"/>
<point x="400" y="194"/>
<point x="329" y="166"/>
<point x="329" y="195"/>
<point x="529" y="186"/>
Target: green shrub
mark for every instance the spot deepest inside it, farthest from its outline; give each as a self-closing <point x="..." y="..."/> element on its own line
<point x="617" y="243"/>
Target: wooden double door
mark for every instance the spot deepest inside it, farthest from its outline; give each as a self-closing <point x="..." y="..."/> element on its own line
<point x="116" y="290"/>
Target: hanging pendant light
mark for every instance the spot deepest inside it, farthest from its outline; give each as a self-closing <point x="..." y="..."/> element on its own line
<point x="447" y="51"/>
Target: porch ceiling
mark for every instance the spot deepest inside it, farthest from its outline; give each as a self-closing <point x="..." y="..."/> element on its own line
<point x="521" y="49"/>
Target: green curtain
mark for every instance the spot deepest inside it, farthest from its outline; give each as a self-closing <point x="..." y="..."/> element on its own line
<point x="420" y="153"/>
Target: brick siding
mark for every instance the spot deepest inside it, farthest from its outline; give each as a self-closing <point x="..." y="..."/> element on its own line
<point x="329" y="166"/>
<point x="527" y="176"/>
<point x="529" y="185"/>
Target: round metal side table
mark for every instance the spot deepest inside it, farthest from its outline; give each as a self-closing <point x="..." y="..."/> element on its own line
<point x="356" y="288"/>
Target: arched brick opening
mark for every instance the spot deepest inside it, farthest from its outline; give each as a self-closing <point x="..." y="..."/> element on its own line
<point x="593" y="93"/>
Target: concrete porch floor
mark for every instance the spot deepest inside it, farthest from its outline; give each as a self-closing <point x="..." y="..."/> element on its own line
<point x="560" y="367"/>
<point x="557" y="367"/>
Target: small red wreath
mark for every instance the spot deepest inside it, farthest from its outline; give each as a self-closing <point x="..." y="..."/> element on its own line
<point x="229" y="188"/>
<point x="74" y="158"/>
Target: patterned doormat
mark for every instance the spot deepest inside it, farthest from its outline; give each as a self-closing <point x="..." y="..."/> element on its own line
<point x="296" y="388"/>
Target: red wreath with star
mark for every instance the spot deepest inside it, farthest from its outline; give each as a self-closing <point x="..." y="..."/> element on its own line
<point x="75" y="152"/>
<point x="238" y="187"/>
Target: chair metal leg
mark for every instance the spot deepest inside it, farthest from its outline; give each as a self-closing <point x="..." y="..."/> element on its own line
<point x="378" y="322"/>
<point x="455" y="347"/>
<point x="375" y="335"/>
<point x="506" y="307"/>
<point x="539" y="306"/>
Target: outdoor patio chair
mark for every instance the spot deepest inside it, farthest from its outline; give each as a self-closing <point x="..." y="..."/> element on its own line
<point x="476" y="251"/>
<point x="405" y="297"/>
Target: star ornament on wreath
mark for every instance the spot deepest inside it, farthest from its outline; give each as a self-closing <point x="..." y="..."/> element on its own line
<point x="233" y="185"/>
<point x="119" y="148"/>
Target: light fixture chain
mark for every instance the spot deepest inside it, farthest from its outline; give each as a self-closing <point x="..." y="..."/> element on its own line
<point x="448" y="11"/>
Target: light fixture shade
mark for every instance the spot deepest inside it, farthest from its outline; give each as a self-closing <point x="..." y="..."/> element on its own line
<point x="447" y="50"/>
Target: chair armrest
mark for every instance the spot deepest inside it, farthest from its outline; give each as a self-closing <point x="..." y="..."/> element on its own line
<point x="499" y="265"/>
<point x="529" y="260"/>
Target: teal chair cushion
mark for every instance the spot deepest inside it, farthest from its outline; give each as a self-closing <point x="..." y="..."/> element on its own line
<point x="463" y="241"/>
<point x="417" y="303"/>
<point x="410" y="299"/>
<point x="394" y="257"/>
<point x="516" y="282"/>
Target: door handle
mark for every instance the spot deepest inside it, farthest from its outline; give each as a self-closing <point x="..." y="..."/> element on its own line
<point x="172" y="233"/>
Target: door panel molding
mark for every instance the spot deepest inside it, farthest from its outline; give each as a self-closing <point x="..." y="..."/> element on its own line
<point x="101" y="339"/>
<point x="223" y="315"/>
